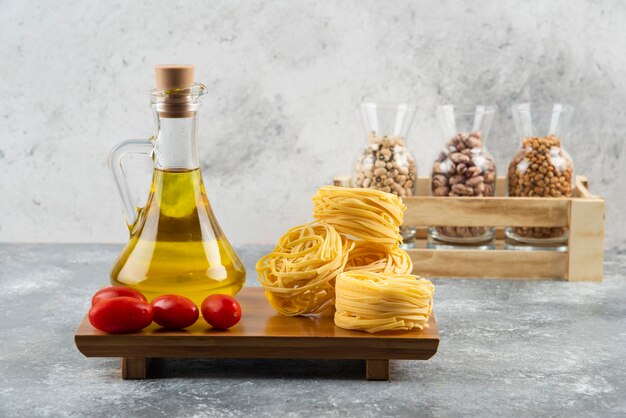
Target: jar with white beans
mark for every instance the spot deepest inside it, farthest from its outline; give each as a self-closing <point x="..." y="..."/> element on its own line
<point x="385" y="163"/>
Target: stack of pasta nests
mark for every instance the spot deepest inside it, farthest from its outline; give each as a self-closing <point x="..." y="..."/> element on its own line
<point x="349" y="256"/>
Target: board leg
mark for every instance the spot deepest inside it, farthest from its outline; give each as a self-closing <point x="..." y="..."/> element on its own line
<point x="135" y="368"/>
<point x="377" y="369"/>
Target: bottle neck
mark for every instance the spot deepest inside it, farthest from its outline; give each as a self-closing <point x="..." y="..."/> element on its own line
<point x="175" y="147"/>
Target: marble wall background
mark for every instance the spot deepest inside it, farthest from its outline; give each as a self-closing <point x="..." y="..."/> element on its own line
<point x="285" y="79"/>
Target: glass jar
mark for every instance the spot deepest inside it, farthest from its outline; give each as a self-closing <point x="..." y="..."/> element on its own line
<point x="541" y="167"/>
<point x="385" y="163"/>
<point x="464" y="167"/>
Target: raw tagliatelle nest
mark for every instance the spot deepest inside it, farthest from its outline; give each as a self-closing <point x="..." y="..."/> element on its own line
<point x="365" y="214"/>
<point x="376" y="302"/>
<point x="366" y="256"/>
<point x="299" y="275"/>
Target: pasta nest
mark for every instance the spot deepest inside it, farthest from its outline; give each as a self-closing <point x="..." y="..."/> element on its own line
<point x="376" y="302"/>
<point x="366" y="214"/>
<point x="299" y="275"/>
<point x="366" y="256"/>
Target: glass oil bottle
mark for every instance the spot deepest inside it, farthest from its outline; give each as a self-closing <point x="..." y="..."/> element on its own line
<point x="176" y="245"/>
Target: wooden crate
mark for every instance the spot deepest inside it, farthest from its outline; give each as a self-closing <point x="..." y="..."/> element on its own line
<point x="583" y="214"/>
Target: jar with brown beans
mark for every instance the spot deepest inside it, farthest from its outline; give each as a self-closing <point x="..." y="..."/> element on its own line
<point x="541" y="167"/>
<point x="464" y="167"/>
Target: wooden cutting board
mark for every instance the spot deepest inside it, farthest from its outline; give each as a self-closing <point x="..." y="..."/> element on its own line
<point x="261" y="333"/>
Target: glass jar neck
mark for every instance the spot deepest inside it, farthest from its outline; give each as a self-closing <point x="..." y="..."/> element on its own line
<point x="461" y="122"/>
<point x="387" y="119"/>
<point x="175" y="143"/>
<point x="542" y="120"/>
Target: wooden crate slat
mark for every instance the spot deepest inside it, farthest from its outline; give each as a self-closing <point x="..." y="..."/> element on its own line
<point x="489" y="264"/>
<point x="586" y="240"/>
<point x="496" y="211"/>
<point x="423" y="186"/>
<point x="581" y="189"/>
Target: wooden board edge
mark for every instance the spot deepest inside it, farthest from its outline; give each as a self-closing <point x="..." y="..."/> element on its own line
<point x="288" y="353"/>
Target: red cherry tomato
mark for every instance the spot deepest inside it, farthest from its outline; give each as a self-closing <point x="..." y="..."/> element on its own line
<point x="115" y="292"/>
<point x="174" y="312"/>
<point x="120" y="315"/>
<point x="221" y="311"/>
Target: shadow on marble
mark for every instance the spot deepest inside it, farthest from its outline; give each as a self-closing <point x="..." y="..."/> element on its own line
<point x="252" y="369"/>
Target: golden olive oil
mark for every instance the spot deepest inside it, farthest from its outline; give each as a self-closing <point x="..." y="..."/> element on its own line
<point x="176" y="245"/>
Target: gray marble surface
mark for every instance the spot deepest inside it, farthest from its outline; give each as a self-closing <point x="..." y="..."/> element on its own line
<point x="285" y="78"/>
<point x="508" y="348"/>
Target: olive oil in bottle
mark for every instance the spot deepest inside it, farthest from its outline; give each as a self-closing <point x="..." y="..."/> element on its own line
<point x="176" y="245"/>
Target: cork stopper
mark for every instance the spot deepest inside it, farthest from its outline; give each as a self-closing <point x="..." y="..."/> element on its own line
<point x="171" y="77"/>
<point x="174" y="76"/>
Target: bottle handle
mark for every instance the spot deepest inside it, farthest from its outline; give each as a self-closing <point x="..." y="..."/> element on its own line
<point x="115" y="163"/>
